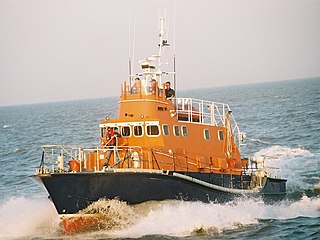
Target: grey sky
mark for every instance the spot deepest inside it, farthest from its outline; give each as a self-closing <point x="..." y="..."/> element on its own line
<point x="62" y="50"/>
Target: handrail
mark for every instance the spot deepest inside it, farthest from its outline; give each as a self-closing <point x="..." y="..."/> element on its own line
<point x="257" y="166"/>
<point x="265" y="165"/>
<point x="54" y="155"/>
<point x="207" y="113"/>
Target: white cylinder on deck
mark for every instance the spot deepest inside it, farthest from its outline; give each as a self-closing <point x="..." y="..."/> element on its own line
<point x="60" y="162"/>
<point x="136" y="160"/>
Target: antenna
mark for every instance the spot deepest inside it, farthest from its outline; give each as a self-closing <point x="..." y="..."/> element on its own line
<point x="174" y="47"/>
<point x="129" y="50"/>
<point x="130" y="73"/>
<point x="134" y="42"/>
<point x="161" y="32"/>
<point x="133" y="47"/>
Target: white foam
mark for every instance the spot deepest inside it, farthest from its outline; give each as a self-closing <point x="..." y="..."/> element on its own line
<point x="24" y="218"/>
<point x="185" y="218"/>
<point x="283" y="151"/>
<point x="117" y="214"/>
<point x="32" y="218"/>
<point x="258" y="140"/>
<point x="293" y="164"/>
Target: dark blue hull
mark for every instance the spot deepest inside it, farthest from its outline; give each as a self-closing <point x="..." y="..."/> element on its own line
<point x="71" y="192"/>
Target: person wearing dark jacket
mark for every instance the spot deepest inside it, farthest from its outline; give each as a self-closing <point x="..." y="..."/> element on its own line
<point x="170" y="93"/>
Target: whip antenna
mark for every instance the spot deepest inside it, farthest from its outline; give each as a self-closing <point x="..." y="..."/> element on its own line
<point x="174" y="47"/>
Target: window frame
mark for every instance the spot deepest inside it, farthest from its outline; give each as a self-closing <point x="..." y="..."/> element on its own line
<point x="142" y="132"/>
<point x="103" y="132"/>
<point x="186" y="131"/>
<point x="126" y="136"/>
<point x="168" y="130"/>
<point x="176" y="129"/>
<point x="152" y="125"/>
<point x="206" y="137"/>
<point x="219" y="136"/>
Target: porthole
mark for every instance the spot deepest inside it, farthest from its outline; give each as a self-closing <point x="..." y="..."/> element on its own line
<point x="206" y="134"/>
<point x="166" y="130"/>
<point x="184" y="131"/>
<point x="176" y="130"/>
<point x="220" y="135"/>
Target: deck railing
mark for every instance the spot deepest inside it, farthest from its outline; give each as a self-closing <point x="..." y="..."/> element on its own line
<point x="256" y="165"/>
<point x="208" y="113"/>
<point x="58" y="158"/>
<point x="263" y="165"/>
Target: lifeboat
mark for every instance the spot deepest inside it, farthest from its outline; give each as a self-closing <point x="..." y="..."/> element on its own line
<point x="159" y="147"/>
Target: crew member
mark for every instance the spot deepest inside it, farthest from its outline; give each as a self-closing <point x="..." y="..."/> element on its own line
<point x="153" y="86"/>
<point x="111" y="137"/>
<point x="136" y="86"/>
<point x="170" y="93"/>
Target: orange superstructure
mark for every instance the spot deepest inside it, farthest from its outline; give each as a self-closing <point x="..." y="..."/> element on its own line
<point x="182" y="134"/>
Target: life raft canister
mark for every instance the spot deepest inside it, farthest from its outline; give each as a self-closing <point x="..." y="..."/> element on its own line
<point x="74" y="165"/>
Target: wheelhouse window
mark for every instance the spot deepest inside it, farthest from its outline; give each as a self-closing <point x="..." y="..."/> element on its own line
<point x="153" y="130"/>
<point x="220" y="135"/>
<point x="176" y="130"/>
<point x="125" y="131"/>
<point x="137" y="131"/>
<point x="166" y="130"/>
<point x="103" y="132"/>
<point x="206" y="134"/>
<point x="184" y="131"/>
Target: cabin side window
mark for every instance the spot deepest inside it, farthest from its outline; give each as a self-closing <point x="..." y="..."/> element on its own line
<point x="176" y="130"/>
<point x="153" y="130"/>
<point x="125" y="131"/>
<point x="206" y="134"/>
<point x="184" y="131"/>
<point x="166" y="130"/>
<point x="103" y="132"/>
<point x="220" y="135"/>
<point x="137" y="131"/>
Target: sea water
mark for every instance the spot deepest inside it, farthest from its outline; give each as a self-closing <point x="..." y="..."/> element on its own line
<point x="281" y="119"/>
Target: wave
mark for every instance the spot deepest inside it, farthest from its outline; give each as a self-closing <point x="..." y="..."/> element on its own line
<point x="298" y="165"/>
<point x="20" y="150"/>
<point x="258" y="141"/>
<point x="177" y="218"/>
<point x="283" y="151"/>
<point x="37" y="218"/>
<point x="27" y="218"/>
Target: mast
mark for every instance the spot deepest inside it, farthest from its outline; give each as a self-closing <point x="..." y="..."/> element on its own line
<point x="163" y="43"/>
<point x="174" y="73"/>
<point x="131" y="52"/>
<point x="130" y="73"/>
<point x="151" y="66"/>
